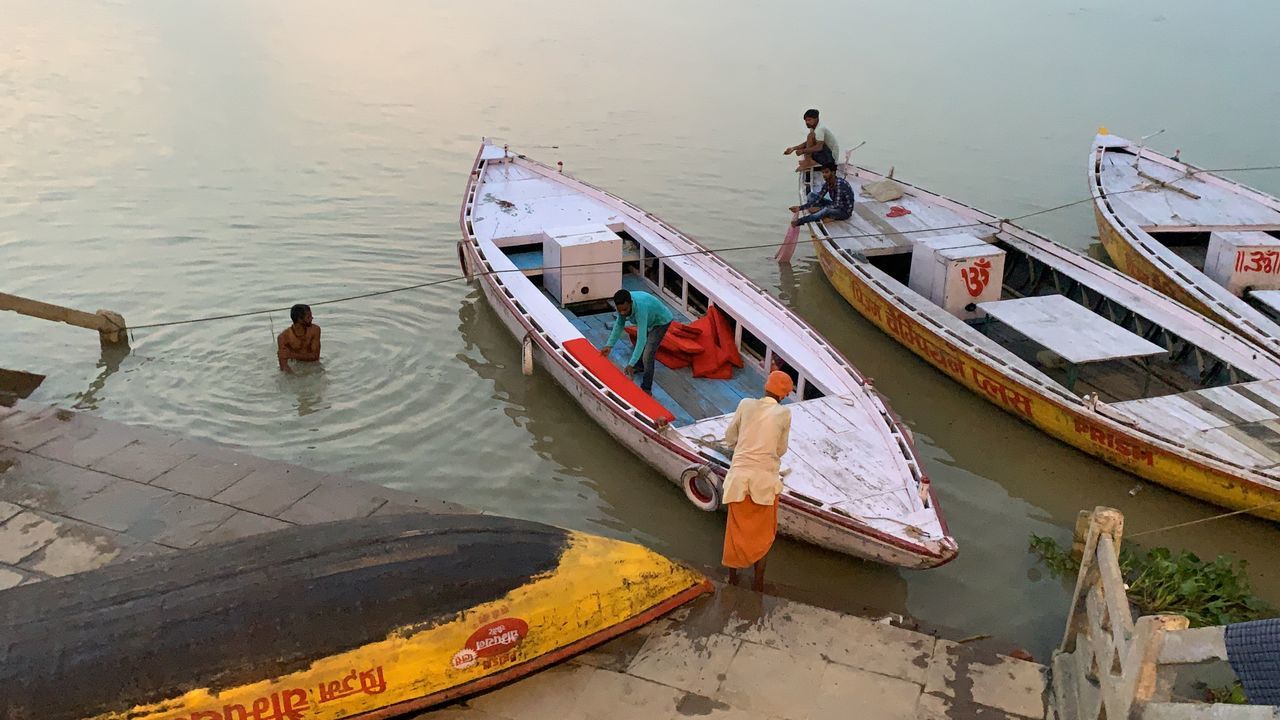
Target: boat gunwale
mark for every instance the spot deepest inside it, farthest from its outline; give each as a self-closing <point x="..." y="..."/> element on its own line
<point x="1226" y="306"/>
<point x="1073" y="404"/>
<point x="947" y="548"/>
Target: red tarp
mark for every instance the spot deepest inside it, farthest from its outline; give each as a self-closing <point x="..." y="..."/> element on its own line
<point x="584" y="352"/>
<point x="706" y="344"/>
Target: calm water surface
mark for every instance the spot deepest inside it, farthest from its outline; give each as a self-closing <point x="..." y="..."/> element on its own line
<point x="173" y="160"/>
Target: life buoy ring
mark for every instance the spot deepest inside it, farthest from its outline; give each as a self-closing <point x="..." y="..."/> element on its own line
<point x="526" y="355"/>
<point x="702" y="487"/>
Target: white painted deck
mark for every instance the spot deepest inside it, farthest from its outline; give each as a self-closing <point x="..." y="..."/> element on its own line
<point x="1070" y="330"/>
<point x="1241" y="422"/>
<point x="1216" y="203"/>
<point x="827" y="444"/>
<point x="930" y="211"/>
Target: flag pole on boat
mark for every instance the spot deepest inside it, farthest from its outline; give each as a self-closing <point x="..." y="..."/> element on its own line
<point x="1142" y="142"/>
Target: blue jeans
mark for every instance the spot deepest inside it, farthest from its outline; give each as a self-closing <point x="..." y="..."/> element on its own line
<point x="648" y="361"/>
<point x="826" y="212"/>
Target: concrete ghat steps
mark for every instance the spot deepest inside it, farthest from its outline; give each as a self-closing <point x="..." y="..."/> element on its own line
<point x="78" y="492"/>
<point x="742" y="656"/>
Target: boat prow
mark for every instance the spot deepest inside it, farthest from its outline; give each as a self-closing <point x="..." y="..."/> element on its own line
<point x="1206" y="241"/>
<point x="365" y="618"/>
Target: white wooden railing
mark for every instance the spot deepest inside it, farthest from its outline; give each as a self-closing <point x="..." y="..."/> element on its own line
<point x="1110" y="666"/>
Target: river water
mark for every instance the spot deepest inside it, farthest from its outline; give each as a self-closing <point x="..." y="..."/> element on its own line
<point x="175" y="160"/>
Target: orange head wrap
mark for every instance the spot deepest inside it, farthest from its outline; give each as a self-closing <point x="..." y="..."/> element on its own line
<point x="779" y="383"/>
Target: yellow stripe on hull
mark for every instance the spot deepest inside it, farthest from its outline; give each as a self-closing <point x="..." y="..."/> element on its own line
<point x="598" y="584"/>
<point x="1128" y="450"/>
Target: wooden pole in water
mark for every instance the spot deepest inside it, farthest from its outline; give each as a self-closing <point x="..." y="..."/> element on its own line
<point x="110" y="325"/>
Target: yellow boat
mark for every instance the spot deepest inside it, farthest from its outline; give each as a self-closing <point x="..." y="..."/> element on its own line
<point x="1061" y="341"/>
<point x="370" y="618"/>
<point x="1210" y="243"/>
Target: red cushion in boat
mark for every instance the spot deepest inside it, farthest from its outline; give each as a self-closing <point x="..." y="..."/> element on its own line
<point x="589" y="355"/>
<point x="720" y="355"/>
<point x="675" y="342"/>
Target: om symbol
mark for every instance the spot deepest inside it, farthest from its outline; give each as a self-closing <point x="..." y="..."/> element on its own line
<point x="976" y="277"/>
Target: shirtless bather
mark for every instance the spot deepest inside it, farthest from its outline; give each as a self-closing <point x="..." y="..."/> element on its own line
<point x="299" y="341"/>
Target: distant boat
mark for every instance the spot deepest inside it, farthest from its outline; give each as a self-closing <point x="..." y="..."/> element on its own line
<point x="1061" y="341"/>
<point x="549" y="250"/>
<point x="369" y="618"/>
<point x="1210" y="243"/>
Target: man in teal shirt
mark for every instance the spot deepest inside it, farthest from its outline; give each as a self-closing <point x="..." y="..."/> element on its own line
<point x="651" y="318"/>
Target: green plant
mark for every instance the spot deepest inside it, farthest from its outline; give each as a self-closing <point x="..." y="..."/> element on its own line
<point x="1160" y="581"/>
<point x="1059" y="562"/>
<point x="1232" y="694"/>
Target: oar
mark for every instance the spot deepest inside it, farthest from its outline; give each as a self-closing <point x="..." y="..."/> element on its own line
<point x="788" y="247"/>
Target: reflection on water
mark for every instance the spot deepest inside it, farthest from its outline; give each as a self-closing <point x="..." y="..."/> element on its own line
<point x="113" y="354"/>
<point x="306" y="384"/>
<point x="175" y="160"/>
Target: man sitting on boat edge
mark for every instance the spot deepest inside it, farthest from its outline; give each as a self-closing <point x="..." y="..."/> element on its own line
<point x="759" y="434"/>
<point x="826" y="203"/>
<point x="652" y="319"/>
<point x="819" y="145"/>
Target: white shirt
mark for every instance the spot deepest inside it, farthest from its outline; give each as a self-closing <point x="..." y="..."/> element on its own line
<point x="758" y="435"/>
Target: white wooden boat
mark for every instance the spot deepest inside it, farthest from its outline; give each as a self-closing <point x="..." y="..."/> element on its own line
<point x="1207" y="242"/>
<point x="1062" y="341"/>
<point x="854" y="482"/>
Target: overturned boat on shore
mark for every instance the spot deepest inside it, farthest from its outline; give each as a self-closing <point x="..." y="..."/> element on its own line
<point x="1061" y="341"/>
<point x="369" y="618"/>
<point x="1208" y="242"/>
<point x="549" y="250"/>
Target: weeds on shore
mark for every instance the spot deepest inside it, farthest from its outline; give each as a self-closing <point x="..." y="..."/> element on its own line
<point x="1215" y="592"/>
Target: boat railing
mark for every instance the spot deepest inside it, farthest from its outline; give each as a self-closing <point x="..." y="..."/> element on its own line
<point x="1112" y="666"/>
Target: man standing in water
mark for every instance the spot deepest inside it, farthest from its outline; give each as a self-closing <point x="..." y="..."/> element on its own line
<point x="299" y="341"/>
<point x="758" y="435"/>
<point x="651" y="318"/>
<point x="820" y="146"/>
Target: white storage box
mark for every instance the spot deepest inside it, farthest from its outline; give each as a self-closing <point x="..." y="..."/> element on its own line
<point x="582" y="263"/>
<point x="1239" y="260"/>
<point x="956" y="271"/>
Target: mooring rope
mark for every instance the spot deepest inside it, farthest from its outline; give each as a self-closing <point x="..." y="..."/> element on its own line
<point x="706" y="251"/>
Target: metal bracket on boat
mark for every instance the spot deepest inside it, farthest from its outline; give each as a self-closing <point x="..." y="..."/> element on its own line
<point x="526" y="355"/>
<point x="702" y="487"/>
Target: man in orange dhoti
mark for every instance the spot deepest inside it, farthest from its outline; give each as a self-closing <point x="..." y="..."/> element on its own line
<point x="758" y="435"/>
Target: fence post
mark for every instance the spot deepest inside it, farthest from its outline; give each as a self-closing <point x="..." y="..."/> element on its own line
<point x="1103" y="520"/>
<point x="110" y="325"/>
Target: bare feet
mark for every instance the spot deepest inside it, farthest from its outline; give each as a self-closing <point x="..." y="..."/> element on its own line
<point x="806" y="164"/>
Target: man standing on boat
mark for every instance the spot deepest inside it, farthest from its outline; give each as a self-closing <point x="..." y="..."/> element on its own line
<point x="299" y="341"/>
<point x="832" y="201"/>
<point x="651" y="318"/>
<point x="758" y="435"/>
<point x="820" y="145"/>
